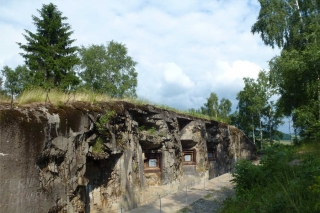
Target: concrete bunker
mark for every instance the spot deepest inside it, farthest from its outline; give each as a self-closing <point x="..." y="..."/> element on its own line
<point x="142" y="149"/>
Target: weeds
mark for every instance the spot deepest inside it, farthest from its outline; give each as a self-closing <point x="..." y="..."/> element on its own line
<point x="98" y="146"/>
<point x="105" y="119"/>
<point x="59" y="98"/>
<point x="141" y="128"/>
<point x="152" y="130"/>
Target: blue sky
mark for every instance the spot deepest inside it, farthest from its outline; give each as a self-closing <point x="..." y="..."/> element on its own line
<point x="185" y="49"/>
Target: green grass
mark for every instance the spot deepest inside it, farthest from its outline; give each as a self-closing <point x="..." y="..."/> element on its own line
<point x="277" y="185"/>
<point x="286" y="142"/>
<point x="4" y="98"/>
<point x="59" y="99"/>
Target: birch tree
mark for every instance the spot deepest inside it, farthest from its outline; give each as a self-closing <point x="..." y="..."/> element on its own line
<point x="293" y="26"/>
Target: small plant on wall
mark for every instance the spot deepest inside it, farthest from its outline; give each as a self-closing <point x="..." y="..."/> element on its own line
<point x="141" y="128"/>
<point x="152" y="130"/>
<point x="105" y="119"/>
<point x="98" y="146"/>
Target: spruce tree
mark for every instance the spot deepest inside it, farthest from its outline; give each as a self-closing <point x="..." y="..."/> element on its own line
<point x="49" y="53"/>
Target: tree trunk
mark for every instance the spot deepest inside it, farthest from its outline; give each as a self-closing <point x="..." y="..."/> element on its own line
<point x="297" y="4"/>
<point x="260" y="131"/>
<point x="11" y="99"/>
<point x="270" y="128"/>
<point x="319" y="97"/>
<point x="290" y="131"/>
<point x="253" y="136"/>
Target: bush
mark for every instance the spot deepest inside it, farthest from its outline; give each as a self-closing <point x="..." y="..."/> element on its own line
<point x="246" y="176"/>
<point x="275" y="185"/>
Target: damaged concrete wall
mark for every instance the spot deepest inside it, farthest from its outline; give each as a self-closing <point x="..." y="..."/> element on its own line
<point x="101" y="157"/>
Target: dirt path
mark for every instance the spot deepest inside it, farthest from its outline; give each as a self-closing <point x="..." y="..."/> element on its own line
<point x="175" y="202"/>
<point x="209" y="203"/>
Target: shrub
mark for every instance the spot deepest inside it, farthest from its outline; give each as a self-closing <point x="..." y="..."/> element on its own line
<point x="275" y="185"/>
<point x="246" y="176"/>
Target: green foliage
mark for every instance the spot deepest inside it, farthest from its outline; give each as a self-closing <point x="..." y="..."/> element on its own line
<point x="305" y="121"/>
<point x="152" y="130"/>
<point x="255" y="110"/>
<point x="278" y="22"/>
<point x="246" y="176"/>
<point x="3" y="96"/>
<point x="315" y="188"/>
<point x="141" y="128"/>
<point x="98" y="146"/>
<point x="109" y="70"/>
<point x="15" y="79"/>
<point x="60" y="104"/>
<point x="48" y="52"/>
<point x="211" y="107"/>
<point x="293" y="25"/>
<point x="277" y="185"/>
<point x="105" y="119"/>
<point x="224" y="109"/>
<point x="213" y="110"/>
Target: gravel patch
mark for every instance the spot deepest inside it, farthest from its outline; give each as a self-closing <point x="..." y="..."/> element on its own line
<point x="209" y="203"/>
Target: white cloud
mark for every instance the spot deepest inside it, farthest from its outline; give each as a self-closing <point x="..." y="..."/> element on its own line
<point x="232" y="74"/>
<point x="173" y="74"/>
<point x="184" y="49"/>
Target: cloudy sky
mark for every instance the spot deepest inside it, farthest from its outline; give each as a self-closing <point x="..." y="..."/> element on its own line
<point x="185" y="49"/>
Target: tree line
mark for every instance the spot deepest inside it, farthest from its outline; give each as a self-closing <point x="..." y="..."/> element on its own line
<point x="294" y="27"/>
<point x="293" y="76"/>
<point x="52" y="61"/>
<point x="215" y="109"/>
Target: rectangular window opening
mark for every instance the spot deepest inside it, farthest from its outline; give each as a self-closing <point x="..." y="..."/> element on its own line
<point x="212" y="155"/>
<point x="152" y="162"/>
<point x="189" y="157"/>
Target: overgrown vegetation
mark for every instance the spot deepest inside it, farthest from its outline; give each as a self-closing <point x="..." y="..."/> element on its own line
<point x="149" y="130"/>
<point x="98" y="146"/>
<point x="287" y="180"/>
<point x="60" y="98"/>
<point x="105" y="119"/>
<point x="293" y="26"/>
<point x="152" y="130"/>
<point x="39" y="95"/>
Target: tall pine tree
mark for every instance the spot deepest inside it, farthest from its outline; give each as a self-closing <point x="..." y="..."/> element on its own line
<point x="49" y="53"/>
